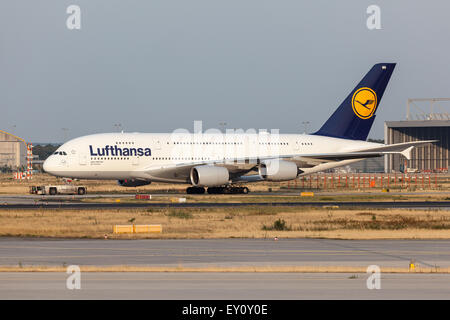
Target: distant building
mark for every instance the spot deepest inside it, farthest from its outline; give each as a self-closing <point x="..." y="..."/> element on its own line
<point x="433" y="157"/>
<point x="370" y="165"/>
<point x="13" y="151"/>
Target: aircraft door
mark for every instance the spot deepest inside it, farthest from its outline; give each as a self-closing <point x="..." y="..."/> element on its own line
<point x="82" y="159"/>
<point x="71" y="157"/>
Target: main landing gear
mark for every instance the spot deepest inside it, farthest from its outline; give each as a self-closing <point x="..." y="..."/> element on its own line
<point x="228" y="190"/>
<point x="195" y="190"/>
<point x="218" y="190"/>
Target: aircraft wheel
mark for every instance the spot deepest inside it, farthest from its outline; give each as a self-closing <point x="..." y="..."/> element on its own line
<point x="214" y="190"/>
<point x="195" y="190"/>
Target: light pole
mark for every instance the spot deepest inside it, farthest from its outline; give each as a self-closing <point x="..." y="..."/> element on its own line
<point x="222" y="126"/>
<point x="117" y="126"/>
<point x="65" y="133"/>
<point x="305" y="125"/>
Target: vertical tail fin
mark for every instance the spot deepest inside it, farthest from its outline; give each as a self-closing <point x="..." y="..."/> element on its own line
<point x="354" y="117"/>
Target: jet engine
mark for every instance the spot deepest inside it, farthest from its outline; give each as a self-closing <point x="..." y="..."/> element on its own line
<point x="132" y="183"/>
<point x="209" y="176"/>
<point x="278" y="170"/>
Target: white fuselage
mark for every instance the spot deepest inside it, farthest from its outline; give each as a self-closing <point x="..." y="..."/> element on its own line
<point x="143" y="155"/>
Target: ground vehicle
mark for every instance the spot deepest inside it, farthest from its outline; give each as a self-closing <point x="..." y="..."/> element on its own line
<point x="58" y="189"/>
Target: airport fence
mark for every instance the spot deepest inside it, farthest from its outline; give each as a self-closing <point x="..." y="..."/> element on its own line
<point x="333" y="181"/>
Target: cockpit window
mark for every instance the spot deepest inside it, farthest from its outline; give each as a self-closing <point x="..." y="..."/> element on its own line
<point x="61" y="153"/>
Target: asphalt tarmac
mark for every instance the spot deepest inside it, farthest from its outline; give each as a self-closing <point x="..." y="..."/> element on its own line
<point x="428" y="254"/>
<point x="225" y="252"/>
<point x="226" y="286"/>
<point x="74" y="202"/>
<point x="432" y="254"/>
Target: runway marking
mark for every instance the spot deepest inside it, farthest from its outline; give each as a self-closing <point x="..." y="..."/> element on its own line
<point x="232" y="253"/>
<point x="372" y="204"/>
<point x="203" y="277"/>
<point x="202" y="255"/>
<point x="243" y="251"/>
<point x="196" y="279"/>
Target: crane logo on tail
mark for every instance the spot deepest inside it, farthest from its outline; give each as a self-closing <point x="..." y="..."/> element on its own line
<point x="364" y="102"/>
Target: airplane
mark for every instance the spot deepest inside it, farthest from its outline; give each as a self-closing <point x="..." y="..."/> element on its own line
<point x="224" y="163"/>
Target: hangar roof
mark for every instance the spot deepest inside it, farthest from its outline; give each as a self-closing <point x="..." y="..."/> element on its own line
<point x="418" y="123"/>
<point x="6" y="136"/>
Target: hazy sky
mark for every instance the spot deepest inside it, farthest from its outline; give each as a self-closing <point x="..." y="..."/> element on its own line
<point x="158" y="65"/>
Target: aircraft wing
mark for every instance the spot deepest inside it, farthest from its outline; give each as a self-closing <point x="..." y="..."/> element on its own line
<point x="398" y="148"/>
<point x="239" y="167"/>
<point x="404" y="148"/>
<point x="181" y="171"/>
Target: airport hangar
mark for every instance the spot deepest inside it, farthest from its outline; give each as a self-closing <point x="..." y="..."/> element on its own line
<point x="428" y="125"/>
<point x="430" y="158"/>
<point x="13" y="151"/>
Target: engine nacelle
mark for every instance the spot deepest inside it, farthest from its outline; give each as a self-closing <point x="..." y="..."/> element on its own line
<point x="278" y="170"/>
<point x="209" y="176"/>
<point x="132" y="183"/>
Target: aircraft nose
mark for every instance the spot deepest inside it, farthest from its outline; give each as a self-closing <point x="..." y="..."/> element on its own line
<point x="49" y="165"/>
<point x="45" y="166"/>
